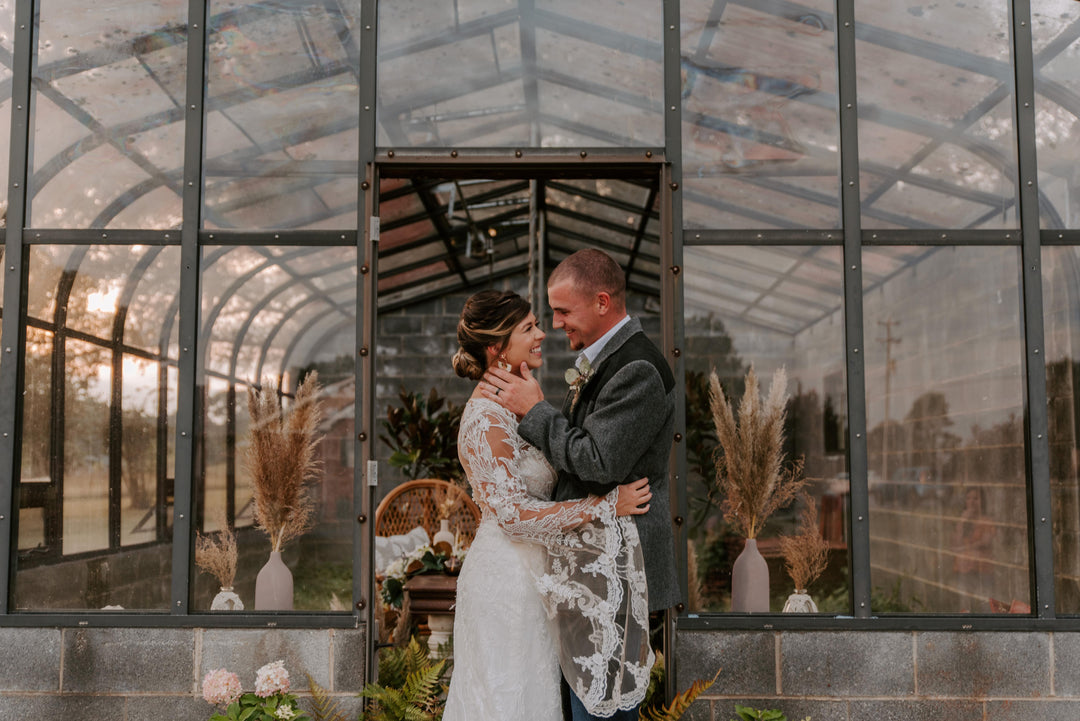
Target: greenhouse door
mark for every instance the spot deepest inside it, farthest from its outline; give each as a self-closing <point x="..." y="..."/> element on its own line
<point x="441" y="228"/>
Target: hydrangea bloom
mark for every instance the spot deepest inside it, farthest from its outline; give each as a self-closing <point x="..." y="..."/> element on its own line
<point x="221" y="687"/>
<point x="271" y="678"/>
<point x="285" y="712"/>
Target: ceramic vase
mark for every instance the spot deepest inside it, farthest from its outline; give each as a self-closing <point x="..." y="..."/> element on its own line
<point x="226" y="600"/>
<point x="443" y="535"/>
<point x="274" y="586"/>
<point x="750" y="580"/>
<point x="800" y="602"/>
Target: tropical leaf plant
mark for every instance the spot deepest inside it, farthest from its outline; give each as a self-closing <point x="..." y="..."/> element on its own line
<point x="422" y="436"/>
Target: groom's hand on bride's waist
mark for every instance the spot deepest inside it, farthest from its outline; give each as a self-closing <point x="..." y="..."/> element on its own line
<point x="517" y="395"/>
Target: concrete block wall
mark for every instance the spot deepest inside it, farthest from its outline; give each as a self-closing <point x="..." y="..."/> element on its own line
<point x="884" y="675"/>
<point x="134" y="674"/>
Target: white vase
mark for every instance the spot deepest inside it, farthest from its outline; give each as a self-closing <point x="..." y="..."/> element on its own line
<point x="750" y="580"/>
<point x="800" y="602"/>
<point x="226" y="600"/>
<point x="443" y="535"/>
<point x="274" y="586"/>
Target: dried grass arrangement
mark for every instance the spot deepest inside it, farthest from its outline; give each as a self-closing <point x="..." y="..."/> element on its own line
<point x="750" y="462"/>
<point x="445" y="500"/>
<point x="806" y="554"/>
<point x="216" y="553"/>
<point x="282" y="460"/>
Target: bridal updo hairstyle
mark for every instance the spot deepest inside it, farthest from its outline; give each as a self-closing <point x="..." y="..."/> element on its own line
<point x="488" y="319"/>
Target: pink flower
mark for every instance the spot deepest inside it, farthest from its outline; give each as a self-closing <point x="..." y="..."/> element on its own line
<point x="271" y="678"/>
<point x="221" y="687"/>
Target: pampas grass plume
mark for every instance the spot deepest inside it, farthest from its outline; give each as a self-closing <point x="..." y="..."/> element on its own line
<point x="281" y="458"/>
<point x="750" y="470"/>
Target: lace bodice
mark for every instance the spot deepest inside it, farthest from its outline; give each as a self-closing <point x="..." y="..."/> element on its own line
<point x="590" y="577"/>
<point x="510" y="478"/>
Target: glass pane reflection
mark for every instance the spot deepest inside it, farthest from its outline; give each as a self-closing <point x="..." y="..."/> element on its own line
<point x="760" y="131"/>
<point x="108" y="116"/>
<point x="1057" y="116"/>
<point x="282" y="115"/>
<point x="935" y="120"/>
<point x="503" y="73"/>
<point x="945" y="409"/>
<point x="273" y="315"/>
<point x="97" y="470"/>
<point x="768" y="307"/>
<point x="1061" y="309"/>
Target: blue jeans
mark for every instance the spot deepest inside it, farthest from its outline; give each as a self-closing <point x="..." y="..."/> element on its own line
<point x="580" y="714"/>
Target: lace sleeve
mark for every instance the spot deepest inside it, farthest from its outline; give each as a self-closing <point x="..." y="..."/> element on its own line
<point x="489" y="449"/>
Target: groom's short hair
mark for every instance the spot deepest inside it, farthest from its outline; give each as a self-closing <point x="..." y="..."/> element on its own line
<point x="591" y="270"/>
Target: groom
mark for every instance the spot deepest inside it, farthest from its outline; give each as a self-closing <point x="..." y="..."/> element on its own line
<point x="617" y="421"/>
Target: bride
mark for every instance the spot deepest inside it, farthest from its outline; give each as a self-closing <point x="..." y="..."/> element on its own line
<point x="545" y="586"/>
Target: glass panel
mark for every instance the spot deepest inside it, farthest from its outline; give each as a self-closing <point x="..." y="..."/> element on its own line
<point x="1" y="296"/>
<point x="935" y="120"/>
<point x="36" y="477"/>
<point x="149" y="412"/>
<point x="108" y="115"/>
<point x="760" y="132"/>
<point x="86" y="467"/>
<point x="1057" y="111"/>
<point x="97" y="473"/>
<point x="502" y="73"/>
<point x="7" y="42"/>
<point x="770" y="308"/>
<point x="269" y="315"/>
<point x="282" y="115"/>
<point x="945" y="419"/>
<point x="1061" y="308"/>
<point x="152" y="320"/>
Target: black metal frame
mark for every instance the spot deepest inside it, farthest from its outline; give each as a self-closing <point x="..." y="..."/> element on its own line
<point x="528" y="162"/>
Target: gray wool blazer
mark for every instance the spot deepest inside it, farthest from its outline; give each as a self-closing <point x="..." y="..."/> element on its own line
<point x="619" y="430"/>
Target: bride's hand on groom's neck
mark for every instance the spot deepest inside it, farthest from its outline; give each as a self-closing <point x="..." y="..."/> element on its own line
<point x="517" y="394"/>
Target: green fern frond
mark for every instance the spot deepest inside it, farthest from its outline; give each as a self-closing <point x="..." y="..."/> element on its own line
<point x="423" y="683"/>
<point x="389" y="703"/>
<point x="323" y="707"/>
<point x="408" y="687"/>
<point x="680" y="703"/>
<point x="416" y="655"/>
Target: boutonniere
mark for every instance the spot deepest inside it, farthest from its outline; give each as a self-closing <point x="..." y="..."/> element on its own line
<point x="576" y="378"/>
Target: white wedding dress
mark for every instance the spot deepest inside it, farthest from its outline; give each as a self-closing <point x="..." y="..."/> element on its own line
<point x="544" y="584"/>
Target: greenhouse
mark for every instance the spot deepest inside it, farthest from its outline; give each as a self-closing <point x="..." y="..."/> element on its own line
<point x="208" y="200"/>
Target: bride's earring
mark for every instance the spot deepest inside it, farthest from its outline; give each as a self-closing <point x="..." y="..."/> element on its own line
<point x="501" y="362"/>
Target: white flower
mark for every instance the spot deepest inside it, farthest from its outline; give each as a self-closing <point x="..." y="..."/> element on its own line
<point x="221" y="687"/>
<point x="285" y="712"/>
<point x="271" y="678"/>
